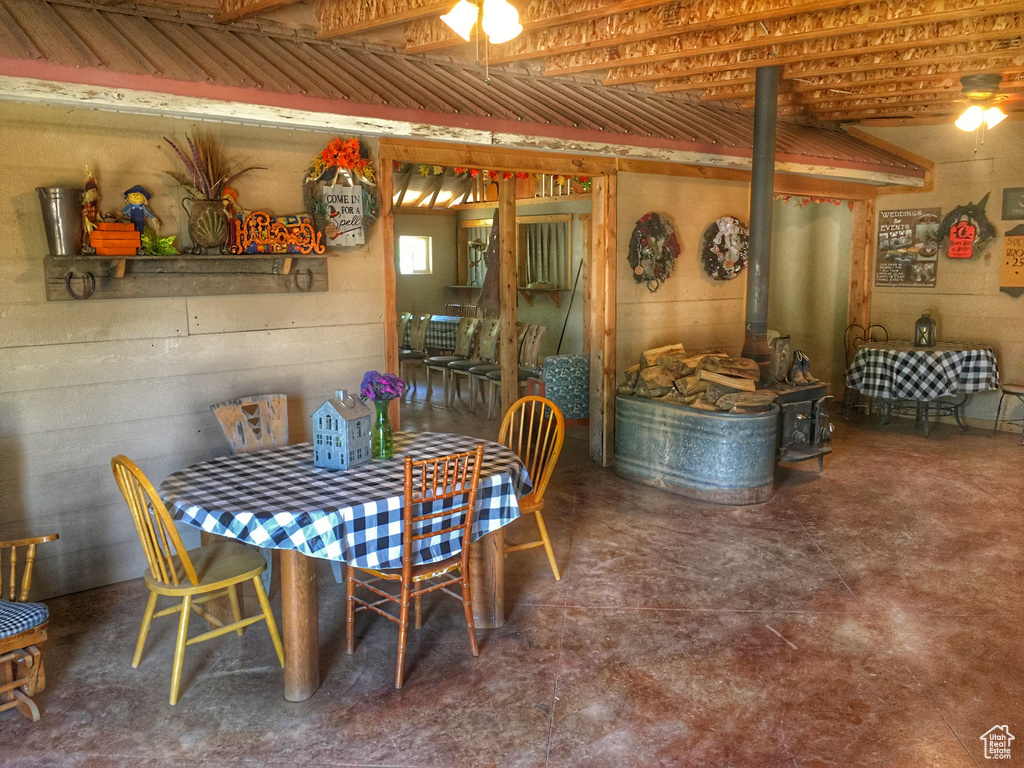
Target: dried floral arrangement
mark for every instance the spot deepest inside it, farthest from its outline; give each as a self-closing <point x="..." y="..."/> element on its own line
<point x="207" y="172"/>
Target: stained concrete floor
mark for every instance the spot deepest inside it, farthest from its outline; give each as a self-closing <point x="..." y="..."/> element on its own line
<point x="870" y="616"/>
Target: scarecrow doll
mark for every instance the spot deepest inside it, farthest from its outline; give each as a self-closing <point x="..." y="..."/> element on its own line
<point x="136" y="207"/>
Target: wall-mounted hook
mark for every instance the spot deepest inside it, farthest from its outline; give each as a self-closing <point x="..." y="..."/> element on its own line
<point x="88" y="285"/>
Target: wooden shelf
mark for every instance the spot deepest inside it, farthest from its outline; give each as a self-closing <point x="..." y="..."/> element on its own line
<point x="153" y="276"/>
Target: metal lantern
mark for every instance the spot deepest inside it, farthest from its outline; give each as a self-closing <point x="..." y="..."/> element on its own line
<point x="924" y="330"/>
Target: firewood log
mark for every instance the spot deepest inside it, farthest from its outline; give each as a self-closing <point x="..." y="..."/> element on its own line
<point x="650" y="357"/>
<point x="690" y="385"/>
<point x="656" y="376"/>
<point x="749" y="409"/>
<point x="624" y="389"/>
<point x="733" y="382"/>
<point x="632" y="373"/>
<point x="732" y="366"/>
<point x="704" y="405"/>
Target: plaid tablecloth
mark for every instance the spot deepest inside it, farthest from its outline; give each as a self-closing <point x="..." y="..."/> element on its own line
<point x="277" y="499"/>
<point x="897" y="370"/>
<point x="440" y="332"/>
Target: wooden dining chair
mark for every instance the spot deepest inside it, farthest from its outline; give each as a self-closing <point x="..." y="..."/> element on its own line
<point x="529" y="356"/>
<point x="412" y="358"/>
<point x="535" y="429"/>
<point x="193" y="577"/>
<point x="486" y="354"/>
<point x="403" y="326"/>
<point x="440" y="499"/>
<point x="465" y="336"/>
<point x="253" y="423"/>
<point x="22" y="628"/>
<point x="478" y="373"/>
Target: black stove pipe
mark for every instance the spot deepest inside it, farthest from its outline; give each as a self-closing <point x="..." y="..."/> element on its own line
<point x="762" y="183"/>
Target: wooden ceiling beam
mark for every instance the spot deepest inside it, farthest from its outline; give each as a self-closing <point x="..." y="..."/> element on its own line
<point x="877" y="79"/>
<point x="613" y="26"/>
<point x="233" y="10"/>
<point x="901" y="19"/>
<point x="346" y="17"/>
<point x="432" y="34"/>
<point x="820" y="64"/>
<point x="946" y="101"/>
<point x="923" y="110"/>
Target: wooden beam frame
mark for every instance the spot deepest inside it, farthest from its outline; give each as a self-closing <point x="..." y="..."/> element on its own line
<point x="834" y="28"/>
<point x="386" y="222"/>
<point x="508" y="356"/>
<point x="602" y="319"/>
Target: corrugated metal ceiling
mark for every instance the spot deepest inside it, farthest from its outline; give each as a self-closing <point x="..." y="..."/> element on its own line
<point x="193" y="49"/>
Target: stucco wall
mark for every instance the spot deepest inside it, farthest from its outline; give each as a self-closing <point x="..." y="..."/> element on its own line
<point x="809" y="285"/>
<point x="83" y="381"/>
<point x="690" y="307"/>
<point x="421" y="294"/>
<point x="966" y="302"/>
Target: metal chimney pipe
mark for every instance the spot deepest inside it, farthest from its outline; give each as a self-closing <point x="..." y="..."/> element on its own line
<point x="762" y="184"/>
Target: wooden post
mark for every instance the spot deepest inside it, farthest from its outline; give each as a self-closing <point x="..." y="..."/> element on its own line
<point x="585" y="280"/>
<point x="602" y="320"/>
<point x="386" y="184"/>
<point x="301" y="626"/>
<point x="509" y="351"/>
<point x="861" y="263"/>
<point x="487" y="580"/>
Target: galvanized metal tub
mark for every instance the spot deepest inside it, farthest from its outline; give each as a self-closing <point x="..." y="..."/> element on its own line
<point x="723" y="458"/>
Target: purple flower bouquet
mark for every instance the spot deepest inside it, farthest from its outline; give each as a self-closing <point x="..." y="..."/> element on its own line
<point x="382" y="388"/>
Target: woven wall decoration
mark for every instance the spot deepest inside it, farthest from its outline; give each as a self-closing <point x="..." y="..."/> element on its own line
<point x="653" y="250"/>
<point x="724" y="248"/>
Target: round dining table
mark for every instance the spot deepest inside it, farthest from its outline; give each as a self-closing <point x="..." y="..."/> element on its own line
<point x="897" y="372"/>
<point x="278" y="499"/>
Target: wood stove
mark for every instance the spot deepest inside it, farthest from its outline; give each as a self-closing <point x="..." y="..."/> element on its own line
<point x="805" y="429"/>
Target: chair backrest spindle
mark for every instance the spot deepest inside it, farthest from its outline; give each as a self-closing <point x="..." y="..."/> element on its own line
<point x="535" y="429"/>
<point x="159" y="538"/>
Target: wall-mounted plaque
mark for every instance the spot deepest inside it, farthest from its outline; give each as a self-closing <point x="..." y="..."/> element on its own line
<point x="908" y="248"/>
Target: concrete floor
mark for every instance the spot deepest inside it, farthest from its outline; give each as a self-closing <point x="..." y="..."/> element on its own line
<point x="870" y="616"/>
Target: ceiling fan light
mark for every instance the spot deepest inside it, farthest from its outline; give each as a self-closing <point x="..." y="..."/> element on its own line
<point x="994" y="116"/>
<point x="501" y="21"/>
<point x="461" y="18"/>
<point x="971" y="119"/>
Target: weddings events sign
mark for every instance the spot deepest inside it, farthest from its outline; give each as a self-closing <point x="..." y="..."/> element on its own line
<point x="908" y="248"/>
<point x="343" y="206"/>
<point x="1012" y="277"/>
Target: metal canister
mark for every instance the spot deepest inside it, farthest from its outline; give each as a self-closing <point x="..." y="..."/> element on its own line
<point x="62" y="217"/>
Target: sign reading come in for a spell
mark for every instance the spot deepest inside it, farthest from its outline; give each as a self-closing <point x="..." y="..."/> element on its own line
<point x="344" y="210"/>
<point x="1012" y="278"/>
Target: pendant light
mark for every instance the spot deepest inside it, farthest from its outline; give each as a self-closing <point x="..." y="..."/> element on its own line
<point x="498" y="18"/>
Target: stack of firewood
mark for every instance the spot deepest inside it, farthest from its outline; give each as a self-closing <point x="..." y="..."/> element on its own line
<point x="711" y="381"/>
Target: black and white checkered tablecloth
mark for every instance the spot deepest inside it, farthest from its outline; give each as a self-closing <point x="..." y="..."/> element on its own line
<point x="277" y="499"/>
<point x="899" y="371"/>
<point x="440" y="332"/>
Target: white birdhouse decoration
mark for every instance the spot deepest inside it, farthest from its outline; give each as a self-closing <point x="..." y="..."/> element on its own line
<point x="341" y="433"/>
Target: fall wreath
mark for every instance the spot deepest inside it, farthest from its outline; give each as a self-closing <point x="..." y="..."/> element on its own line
<point x="342" y="163"/>
<point x="724" y="252"/>
<point x="653" y="250"/>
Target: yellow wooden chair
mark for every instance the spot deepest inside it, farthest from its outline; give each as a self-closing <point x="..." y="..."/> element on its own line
<point x="194" y="576"/>
<point x="22" y="630"/>
<point x="428" y="481"/>
<point x="535" y="429"/>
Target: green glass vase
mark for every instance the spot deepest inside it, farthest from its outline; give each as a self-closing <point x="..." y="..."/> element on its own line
<point x="382" y="437"/>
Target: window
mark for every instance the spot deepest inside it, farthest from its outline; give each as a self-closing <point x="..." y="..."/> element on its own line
<point x="414" y="255"/>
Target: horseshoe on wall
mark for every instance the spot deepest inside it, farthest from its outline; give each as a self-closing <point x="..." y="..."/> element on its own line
<point x="309" y="280"/>
<point x="88" y="285"/>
